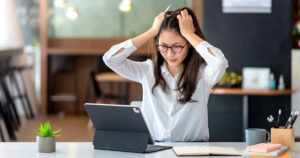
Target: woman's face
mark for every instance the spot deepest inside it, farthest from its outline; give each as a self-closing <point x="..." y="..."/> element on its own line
<point x="171" y="39"/>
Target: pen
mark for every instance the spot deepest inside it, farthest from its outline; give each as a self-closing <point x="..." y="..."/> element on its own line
<point x="168" y="7"/>
<point x="274" y="122"/>
<point x="278" y="119"/>
<point x="271" y="123"/>
<point x="289" y="120"/>
<point x="294" y="119"/>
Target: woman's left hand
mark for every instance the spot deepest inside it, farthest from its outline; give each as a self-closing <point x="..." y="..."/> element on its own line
<point x="185" y="23"/>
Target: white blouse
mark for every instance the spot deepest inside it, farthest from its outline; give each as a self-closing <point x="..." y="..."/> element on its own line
<point x="168" y="119"/>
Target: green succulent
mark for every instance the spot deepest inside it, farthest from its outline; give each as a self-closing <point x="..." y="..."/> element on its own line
<point x="45" y="131"/>
<point x="230" y="79"/>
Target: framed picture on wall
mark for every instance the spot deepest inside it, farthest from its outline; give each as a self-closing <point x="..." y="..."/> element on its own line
<point x="247" y="6"/>
<point x="255" y="78"/>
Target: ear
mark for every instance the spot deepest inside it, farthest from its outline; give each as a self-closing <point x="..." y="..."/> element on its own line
<point x="189" y="45"/>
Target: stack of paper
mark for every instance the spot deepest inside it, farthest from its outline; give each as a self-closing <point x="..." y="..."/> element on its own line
<point x="277" y="152"/>
<point x="263" y="147"/>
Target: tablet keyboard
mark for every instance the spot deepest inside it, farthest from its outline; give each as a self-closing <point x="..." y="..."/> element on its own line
<point x="153" y="148"/>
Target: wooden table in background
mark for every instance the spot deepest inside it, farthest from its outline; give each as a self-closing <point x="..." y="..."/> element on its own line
<point x="246" y="94"/>
<point x="113" y="78"/>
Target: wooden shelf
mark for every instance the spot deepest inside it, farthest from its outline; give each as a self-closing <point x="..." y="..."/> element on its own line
<point x="90" y="46"/>
<point x="239" y="91"/>
<point x="86" y="51"/>
<point x="70" y="51"/>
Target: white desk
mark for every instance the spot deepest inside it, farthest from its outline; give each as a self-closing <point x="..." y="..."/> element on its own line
<point x="86" y="150"/>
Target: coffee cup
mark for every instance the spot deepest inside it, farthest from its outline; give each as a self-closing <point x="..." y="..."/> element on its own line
<point x="256" y="135"/>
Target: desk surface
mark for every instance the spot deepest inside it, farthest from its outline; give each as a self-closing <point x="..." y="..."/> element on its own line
<point x="86" y="150"/>
<point x="239" y="91"/>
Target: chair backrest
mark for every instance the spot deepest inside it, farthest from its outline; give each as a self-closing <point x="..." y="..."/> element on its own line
<point x="95" y="86"/>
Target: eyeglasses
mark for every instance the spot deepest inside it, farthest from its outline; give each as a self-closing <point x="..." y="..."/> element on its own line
<point x="175" y="49"/>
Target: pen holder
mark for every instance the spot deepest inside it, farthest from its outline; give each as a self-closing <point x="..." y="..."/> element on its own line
<point x="283" y="136"/>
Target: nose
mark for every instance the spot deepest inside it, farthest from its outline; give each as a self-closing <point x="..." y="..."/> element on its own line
<point x="170" y="52"/>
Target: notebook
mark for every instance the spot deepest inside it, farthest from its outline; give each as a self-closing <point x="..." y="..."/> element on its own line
<point x="205" y="150"/>
<point x="272" y="153"/>
<point x="285" y="155"/>
<point x="263" y="147"/>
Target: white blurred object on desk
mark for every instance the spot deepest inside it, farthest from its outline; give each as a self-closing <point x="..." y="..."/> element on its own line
<point x="296" y="87"/>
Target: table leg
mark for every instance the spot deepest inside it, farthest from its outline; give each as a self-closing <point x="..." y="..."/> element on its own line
<point x="245" y="114"/>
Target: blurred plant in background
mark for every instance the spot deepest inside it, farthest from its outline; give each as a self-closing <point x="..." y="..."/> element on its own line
<point x="230" y="79"/>
<point x="35" y="42"/>
<point x="296" y="32"/>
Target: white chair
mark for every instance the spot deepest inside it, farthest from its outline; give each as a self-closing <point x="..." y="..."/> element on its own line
<point x="136" y="103"/>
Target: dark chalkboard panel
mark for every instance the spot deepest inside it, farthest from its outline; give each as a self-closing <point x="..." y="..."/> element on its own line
<point x="247" y="39"/>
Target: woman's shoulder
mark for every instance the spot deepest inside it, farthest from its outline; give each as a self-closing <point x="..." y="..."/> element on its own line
<point x="201" y="70"/>
<point x="149" y="61"/>
<point x="150" y="64"/>
<point x="146" y="66"/>
<point x="148" y="69"/>
<point x="202" y="67"/>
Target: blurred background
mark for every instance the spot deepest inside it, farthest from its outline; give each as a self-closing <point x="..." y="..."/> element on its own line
<point x="51" y="62"/>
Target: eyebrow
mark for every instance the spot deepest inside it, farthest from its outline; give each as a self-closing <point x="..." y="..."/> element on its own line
<point x="171" y="44"/>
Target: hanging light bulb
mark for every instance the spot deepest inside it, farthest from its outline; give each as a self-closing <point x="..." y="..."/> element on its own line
<point x="72" y="13"/>
<point x="60" y="3"/>
<point x="125" y="6"/>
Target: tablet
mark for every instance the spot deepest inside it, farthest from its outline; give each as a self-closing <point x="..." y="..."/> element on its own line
<point x="121" y="127"/>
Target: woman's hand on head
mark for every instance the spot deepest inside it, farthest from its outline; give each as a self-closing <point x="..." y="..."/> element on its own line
<point x="157" y="23"/>
<point x="186" y="23"/>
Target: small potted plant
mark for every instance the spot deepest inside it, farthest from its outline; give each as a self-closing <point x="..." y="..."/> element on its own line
<point x="46" y="138"/>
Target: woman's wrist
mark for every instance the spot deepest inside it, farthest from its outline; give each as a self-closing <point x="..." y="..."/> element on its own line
<point x="152" y="32"/>
<point x="193" y="39"/>
<point x="188" y="35"/>
<point x="138" y="41"/>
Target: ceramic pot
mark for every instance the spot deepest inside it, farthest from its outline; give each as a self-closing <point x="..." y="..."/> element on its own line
<point x="46" y="144"/>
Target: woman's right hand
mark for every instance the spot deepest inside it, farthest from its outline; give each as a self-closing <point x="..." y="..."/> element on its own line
<point x="157" y="23"/>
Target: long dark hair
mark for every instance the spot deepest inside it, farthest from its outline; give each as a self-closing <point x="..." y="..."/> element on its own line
<point x="188" y="80"/>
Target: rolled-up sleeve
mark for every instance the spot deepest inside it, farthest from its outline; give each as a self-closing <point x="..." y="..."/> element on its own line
<point x="216" y="64"/>
<point x="119" y="63"/>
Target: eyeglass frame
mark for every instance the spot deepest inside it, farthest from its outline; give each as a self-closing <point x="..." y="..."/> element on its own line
<point x="171" y="47"/>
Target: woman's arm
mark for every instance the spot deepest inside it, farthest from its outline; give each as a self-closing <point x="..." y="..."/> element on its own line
<point x="187" y="29"/>
<point x="153" y="31"/>
<point x="116" y="57"/>
<point x="138" y="41"/>
<point x="215" y="59"/>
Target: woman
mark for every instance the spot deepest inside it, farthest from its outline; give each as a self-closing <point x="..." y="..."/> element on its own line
<point x="177" y="82"/>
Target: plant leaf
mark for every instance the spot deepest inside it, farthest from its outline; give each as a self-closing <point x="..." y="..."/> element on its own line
<point x="38" y="133"/>
<point x="57" y="131"/>
<point x="45" y="130"/>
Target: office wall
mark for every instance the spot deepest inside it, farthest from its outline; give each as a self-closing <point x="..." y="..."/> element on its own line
<point x="104" y="19"/>
<point x="257" y="40"/>
<point x="28" y="16"/>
